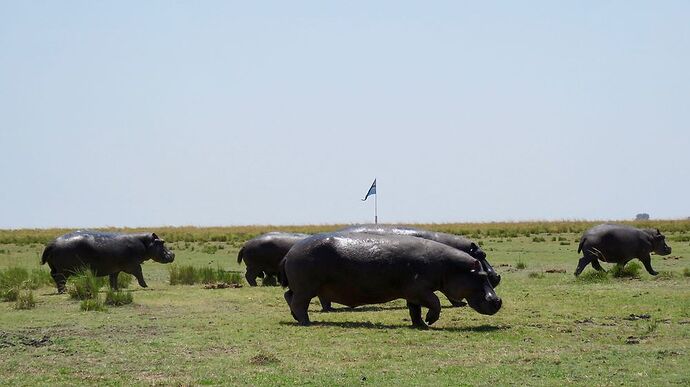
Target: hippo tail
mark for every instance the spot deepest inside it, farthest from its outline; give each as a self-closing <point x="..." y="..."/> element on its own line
<point x="281" y="274"/>
<point x="239" y="255"/>
<point x="582" y="242"/>
<point x="47" y="253"/>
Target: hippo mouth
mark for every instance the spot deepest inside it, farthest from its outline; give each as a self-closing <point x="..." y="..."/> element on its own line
<point x="485" y="305"/>
<point x="167" y="258"/>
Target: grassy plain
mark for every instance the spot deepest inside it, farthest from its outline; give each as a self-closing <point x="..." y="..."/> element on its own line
<point x="553" y="329"/>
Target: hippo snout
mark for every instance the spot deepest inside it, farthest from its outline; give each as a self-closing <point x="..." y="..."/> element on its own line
<point x="489" y="304"/>
<point x="171" y="257"/>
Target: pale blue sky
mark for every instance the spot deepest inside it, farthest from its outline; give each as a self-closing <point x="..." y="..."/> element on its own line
<point x="275" y="112"/>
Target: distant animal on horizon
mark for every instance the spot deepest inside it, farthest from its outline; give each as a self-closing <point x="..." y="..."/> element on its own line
<point x="615" y="243"/>
<point x="355" y="269"/>
<point x="263" y="253"/>
<point x="104" y="254"/>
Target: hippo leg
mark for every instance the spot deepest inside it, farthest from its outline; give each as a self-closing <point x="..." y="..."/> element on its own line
<point x="113" y="280"/>
<point x="135" y="270"/>
<point x="58" y="277"/>
<point x="431" y="301"/>
<point x="416" y="315"/>
<point x="288" y="299"/>
<point x="647" y="262"/>
<point x="325" y="305"/>
<point x="251" y="275"/>
<point x="584" y="261"/>
<point x="299" y="305"/>
<point x="596" y="265"/>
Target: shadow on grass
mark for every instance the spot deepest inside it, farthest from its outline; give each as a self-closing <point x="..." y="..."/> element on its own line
<point x="375" y="308"/>
<point x="370" y="325"/>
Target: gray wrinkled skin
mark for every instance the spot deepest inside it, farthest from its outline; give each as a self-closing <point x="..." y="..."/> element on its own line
<point x="263" y="253"/>
<point x="456" y="241"/>
<point x="357" y="268"/>
<point x="103" y="253"/>
<point x="615" y="243"/>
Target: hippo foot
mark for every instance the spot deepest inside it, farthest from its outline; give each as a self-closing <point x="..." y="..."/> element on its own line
<point x="304" y="323"/>
<point x="420" y="325"/>
<point x="654" y="272"/>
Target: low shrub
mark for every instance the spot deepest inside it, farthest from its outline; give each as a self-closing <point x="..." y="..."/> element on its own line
<point x="9" y="294"/>
<point x="593" y="276"/>
<point x="535" y="274"/>
<point x="520" y="265"/>
<point x="25" y="300"/>
<point x="538" y="239"/>
<point x="93" y="304"/>
<point x="631" y="270"/>
<point x="189" y="275"/>
<point x="84" y="285"/>
<point x="118" y="298"/>
<point x="686" y="272"/>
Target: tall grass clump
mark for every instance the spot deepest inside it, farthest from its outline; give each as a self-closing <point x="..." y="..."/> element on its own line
<point x="631" y="270"/>
<point x="123" y="281"/>
<point x="9" y="294"/>
<point x="25" y="300"/>
<point x="189" y="275"/>
<point x="593" y="276"/>
<point x="84" y="285"/>
<point x="93" y="304"/>
<point x="520" y="265"/>
<point x="686" y="272"/>
<point x="118" y="298"/>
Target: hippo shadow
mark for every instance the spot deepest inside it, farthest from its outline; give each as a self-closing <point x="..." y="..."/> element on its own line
<point x="362" y="309"/>
<point x="371" y="325"/>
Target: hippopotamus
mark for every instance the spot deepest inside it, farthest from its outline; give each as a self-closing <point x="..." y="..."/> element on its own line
<point x="456" y="241"/>
<point x="357" y="268"/>
<point x="263" y="253"/>
<point x="104" y="253"/>
<point x="615" y="243"/>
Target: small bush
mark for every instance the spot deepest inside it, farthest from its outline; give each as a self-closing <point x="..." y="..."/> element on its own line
<point x="209" y="249"/>
<point x="25" y="300"/>
<point x="118" y="298"/>
<point x="538" y="239"/>
<point x="520" y="265"/>
<point x="665" y="275"/>
<point x="686" y="272"/>
<point x="631" y="270"/>
<point x="182" y="275"/>
<point x="93" y="304"/>
<point x="13" y="277"/>
<point x="9" y="294"/>
<point x="535" y="274"/>
<point x="189" y="275"/>
<point x="84" y="285"/>
<point x="593" y="276"/>
<point x="564" y="243"/>
<point x="38" y="278"/>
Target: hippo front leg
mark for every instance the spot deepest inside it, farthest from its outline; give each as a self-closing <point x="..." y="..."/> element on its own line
<point x="416" y="315"/>
<point x="647" y="262"/>
<point x="135" y="270"/>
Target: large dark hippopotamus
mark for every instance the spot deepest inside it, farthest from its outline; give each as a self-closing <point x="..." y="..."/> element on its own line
<point x="615" y="243"/>
<point x="263" y="253"/>
<point x="103" y="253"/>
<point x="357" y="268"/>
<point x="456" y="241"/>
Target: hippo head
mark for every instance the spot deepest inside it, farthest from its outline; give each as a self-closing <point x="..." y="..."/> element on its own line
<point x="480" y="255"/>
<point x="659" y="245"/>
<point x="474" y="286"/>
<point x="156" y="250"/>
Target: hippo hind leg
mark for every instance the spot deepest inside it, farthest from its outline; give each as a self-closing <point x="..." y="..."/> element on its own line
<point x="325" y="305"/>
<point x="299" y="306"/>
<point x="288" y="299"/>
<point x="251" y="275"/>
<point x="113" y="280"/>
<point x="582" y="263"/>
<point x="596" y="265"/>
<point x="59" y="278"/>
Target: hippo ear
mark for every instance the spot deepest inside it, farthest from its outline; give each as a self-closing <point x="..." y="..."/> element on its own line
<point x="154" y="236"/>
<point x="658" y="232"/>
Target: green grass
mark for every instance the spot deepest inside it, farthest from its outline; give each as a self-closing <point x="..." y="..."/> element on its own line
<point x="25" y="300"/>
<point x="190" y="275"/>
<point x="631" y="270"/>
<point x="118" y="298"/>
<point x="554" y="329"/>
<point x="84" y="285"/>
<point x="94" y="304"/>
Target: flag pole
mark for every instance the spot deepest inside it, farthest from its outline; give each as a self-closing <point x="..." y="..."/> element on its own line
<point x="376" y="207"/>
